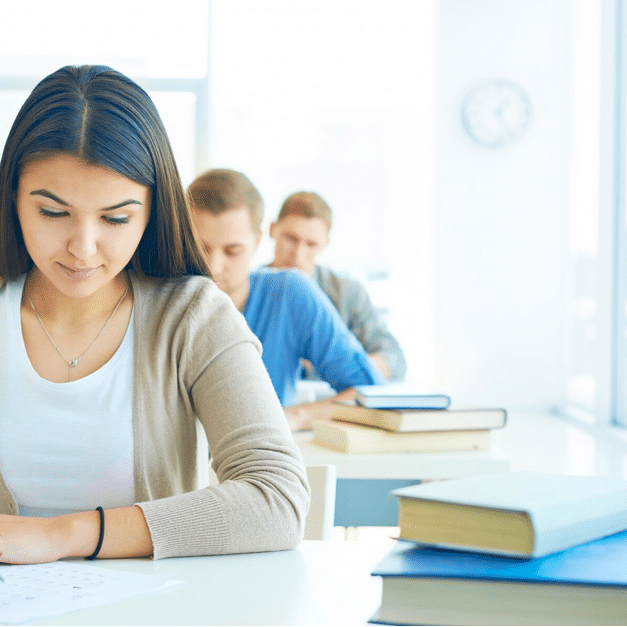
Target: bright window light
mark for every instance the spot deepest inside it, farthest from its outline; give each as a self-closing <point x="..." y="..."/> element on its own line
<point x="152" y="38"/>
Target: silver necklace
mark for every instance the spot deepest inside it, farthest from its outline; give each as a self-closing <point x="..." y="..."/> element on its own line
<point x="72" y="363"/>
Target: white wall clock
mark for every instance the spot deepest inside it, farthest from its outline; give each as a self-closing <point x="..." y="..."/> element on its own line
<point x="496" y="113"/>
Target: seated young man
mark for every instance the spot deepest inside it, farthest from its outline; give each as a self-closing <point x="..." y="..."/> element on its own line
<point x="300" y="233"/>
<point x="286" y="310"/>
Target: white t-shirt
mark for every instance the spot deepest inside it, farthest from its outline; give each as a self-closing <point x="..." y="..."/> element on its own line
<point x="64" y="447"/>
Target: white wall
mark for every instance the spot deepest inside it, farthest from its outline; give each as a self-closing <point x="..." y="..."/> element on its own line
<point x="338" y="97"/>
<point x="476" y="240"/>
<point x="501" y="215"/>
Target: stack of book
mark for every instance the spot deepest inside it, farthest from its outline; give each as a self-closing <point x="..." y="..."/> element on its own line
<point x="392" y="419"/>
<point x="516" y="548"/>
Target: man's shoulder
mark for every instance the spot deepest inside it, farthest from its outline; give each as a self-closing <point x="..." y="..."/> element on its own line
<point x="331" y="280"/>
<point x="290" y="278"/>
<point x="290" y="290"/>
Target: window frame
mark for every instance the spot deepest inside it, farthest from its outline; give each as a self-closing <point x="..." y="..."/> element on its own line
<point x="618" y="350"/>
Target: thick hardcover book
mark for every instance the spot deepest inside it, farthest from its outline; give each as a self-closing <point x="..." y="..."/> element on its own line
<point x="352" y="438"/>
<point x="451" y="419"/>
<point x="394" y="395"/>
<point x="585" y="585"/>
<point x="515" y="513"/>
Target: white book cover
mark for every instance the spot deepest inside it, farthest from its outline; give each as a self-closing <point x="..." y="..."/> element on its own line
<point x="565" y="510"/>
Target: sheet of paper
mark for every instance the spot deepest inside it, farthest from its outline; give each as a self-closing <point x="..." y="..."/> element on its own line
<point x="34" y="592"/>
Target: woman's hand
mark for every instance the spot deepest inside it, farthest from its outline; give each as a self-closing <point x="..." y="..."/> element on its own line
<point x="25" y="540"/>
<point x="299" y="417"/>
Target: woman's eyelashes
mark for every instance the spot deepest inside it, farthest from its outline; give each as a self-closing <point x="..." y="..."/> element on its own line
<point x="51" y="213"/>
<point x="114" y="220"/>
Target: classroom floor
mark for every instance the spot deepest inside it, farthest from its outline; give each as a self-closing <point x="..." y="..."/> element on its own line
<point x="364" y="533"/>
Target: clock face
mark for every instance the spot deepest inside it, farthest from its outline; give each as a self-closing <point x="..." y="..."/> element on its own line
<point x="496" y="113"/>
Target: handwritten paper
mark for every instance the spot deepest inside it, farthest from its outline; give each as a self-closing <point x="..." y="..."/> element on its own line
<point x="38" y="591"/>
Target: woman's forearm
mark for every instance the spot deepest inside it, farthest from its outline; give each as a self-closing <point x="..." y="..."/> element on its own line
<point x="25" y="540"/>
<point x="126" y="534"/>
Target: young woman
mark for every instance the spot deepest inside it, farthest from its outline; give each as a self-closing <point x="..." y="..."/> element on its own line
<point x="119" y="358"/>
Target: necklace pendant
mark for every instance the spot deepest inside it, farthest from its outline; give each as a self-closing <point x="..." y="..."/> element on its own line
<point x="72" y="363"/>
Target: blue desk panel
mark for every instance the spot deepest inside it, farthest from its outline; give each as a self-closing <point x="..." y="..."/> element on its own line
<point x="367" y="503"/>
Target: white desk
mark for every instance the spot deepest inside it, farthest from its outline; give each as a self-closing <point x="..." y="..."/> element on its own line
<point x="411" y="466"/>
<point x="545" y="442"/>
<point x="329" y="583"/>
<point x="365" y="480"/>
<point x="529" y="441"/>
<point x="320" y="583"/>
<point x="538" y="441"/>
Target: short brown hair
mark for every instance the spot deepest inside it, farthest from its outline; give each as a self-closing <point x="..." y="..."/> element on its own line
<point x="308" y="205"/>
<point x="220" y="190"/>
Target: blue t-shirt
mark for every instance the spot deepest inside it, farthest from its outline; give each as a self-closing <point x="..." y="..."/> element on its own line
<point x="294" y="319"/>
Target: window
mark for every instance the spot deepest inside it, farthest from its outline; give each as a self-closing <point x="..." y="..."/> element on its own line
<point x="597" y="378"/>
<point x="588" y="374"/>
<point x="160" y="46"/>
<point x="619" y="190"/>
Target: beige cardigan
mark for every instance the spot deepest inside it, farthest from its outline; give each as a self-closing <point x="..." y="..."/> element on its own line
<point x="196" y="359"/>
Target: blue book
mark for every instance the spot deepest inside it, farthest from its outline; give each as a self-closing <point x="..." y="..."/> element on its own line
<point x="398" y="396"/>
<point x="585" y="585"/>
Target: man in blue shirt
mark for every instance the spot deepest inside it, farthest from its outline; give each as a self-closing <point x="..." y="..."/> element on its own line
<point x="287" y="311"/>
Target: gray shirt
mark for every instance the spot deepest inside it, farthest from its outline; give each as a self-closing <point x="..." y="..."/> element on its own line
<point x="359" y="314"/>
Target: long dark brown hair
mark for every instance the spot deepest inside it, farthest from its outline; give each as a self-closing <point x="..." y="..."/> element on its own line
<point x="103" y="118"/>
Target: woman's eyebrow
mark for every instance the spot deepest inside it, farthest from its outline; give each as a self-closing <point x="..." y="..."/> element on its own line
<point x="46" y="194"/>
<point x="130" y="201"/>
